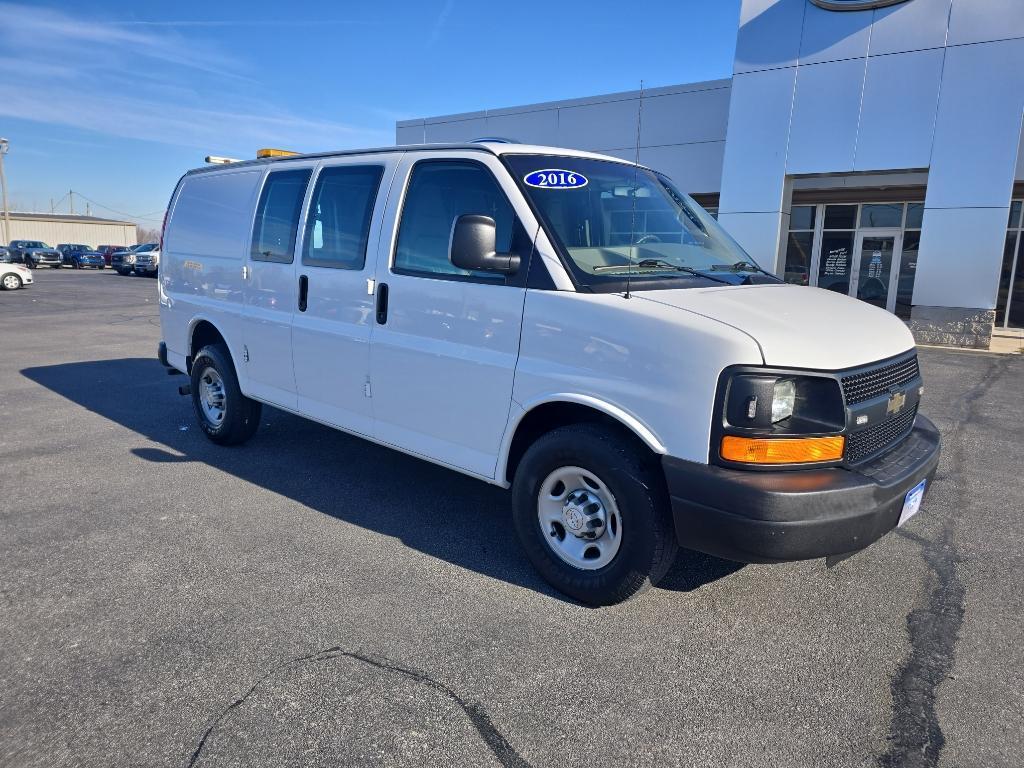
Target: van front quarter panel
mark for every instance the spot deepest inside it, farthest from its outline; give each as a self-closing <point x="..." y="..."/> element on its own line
<point x="658" y="365"/>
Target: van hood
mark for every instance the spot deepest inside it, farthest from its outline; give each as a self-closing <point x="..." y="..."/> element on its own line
<point x="797" y="326"/>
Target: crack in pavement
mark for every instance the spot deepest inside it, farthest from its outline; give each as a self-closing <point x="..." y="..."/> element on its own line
<point x="915" y="736"/>
<point x="498" y="744"/>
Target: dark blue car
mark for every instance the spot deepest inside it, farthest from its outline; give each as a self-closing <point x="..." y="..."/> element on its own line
<point x="81" y="256"/>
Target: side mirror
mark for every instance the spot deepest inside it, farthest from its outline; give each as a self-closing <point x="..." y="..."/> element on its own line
<point x="473" y="243"/>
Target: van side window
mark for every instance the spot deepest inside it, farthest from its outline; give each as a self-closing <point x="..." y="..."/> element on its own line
<point x="277" y="216"/>
<point x="439" y="192"/>
<point x="338" y="225"/>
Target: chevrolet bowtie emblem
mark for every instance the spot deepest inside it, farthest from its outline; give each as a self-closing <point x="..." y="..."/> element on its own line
<point x="896" y="402"/>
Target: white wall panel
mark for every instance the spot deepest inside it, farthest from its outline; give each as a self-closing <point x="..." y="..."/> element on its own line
<point x="977" y="130"/>
<point x="540" y="127"/>
<point x="755" y="151"/>
<point x="455" y="130"/>
<point x="829" y="36"/>
<point x="825" y="114"/>
<point x="608" y="125"/>
<point x="681" y="118"/>
<point x="960" y="257"/>
<point x="758" y="233"/>
<point x="409" y="132"/>
<point x="975" y="21"/>
<point x="910" y="27"/>
<point x="897" y="115"/>
<point x="693" y="167"/>
<point x="769" y="34"/>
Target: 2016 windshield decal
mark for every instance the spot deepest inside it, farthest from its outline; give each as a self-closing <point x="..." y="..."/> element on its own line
<point x="854" y="5"/>
<point x="555" y="178"/>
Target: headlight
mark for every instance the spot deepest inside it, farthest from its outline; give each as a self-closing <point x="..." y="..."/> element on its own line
<point x="760" y="409"/>
<point x="783" y="400"/>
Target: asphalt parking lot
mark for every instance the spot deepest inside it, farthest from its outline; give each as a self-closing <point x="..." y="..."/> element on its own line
<point x="310" y="599"/>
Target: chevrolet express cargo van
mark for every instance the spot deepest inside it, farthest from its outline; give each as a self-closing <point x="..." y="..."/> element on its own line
<point x="565" y="324"/>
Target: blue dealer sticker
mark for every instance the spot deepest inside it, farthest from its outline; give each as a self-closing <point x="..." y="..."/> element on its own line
<point x="556" y="178"/>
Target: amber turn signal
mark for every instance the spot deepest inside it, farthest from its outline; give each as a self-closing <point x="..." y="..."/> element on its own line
<point x="802" y="450"/>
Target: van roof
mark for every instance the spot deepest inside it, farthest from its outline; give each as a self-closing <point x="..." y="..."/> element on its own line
<point x="496" y="148"/>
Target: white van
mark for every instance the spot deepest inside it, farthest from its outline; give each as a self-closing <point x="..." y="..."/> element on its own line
<point x="562" y="323"/>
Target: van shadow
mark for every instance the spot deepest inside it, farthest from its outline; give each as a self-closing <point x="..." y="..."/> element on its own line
<point x="436" y="511"/>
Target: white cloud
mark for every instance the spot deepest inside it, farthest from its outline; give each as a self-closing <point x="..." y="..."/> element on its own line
<point x="148" y="83"/>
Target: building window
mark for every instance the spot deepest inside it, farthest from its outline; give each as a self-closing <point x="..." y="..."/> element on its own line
<point x="800" y="244"/>
<point x="823" y="240"/>
<point x="836" y="259"/>
<point x="1010" y="299"/>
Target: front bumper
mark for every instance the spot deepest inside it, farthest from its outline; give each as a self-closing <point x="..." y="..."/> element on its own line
<point x="777" y="516"/>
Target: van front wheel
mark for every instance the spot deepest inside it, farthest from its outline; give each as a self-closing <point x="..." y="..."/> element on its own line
<point x="226" y="415"/>
<point x="591" y="512"/>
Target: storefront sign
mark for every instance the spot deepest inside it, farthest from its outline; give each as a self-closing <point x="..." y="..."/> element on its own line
<point x="854" y="5"/>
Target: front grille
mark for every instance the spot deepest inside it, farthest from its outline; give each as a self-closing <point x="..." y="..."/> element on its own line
<point x="864" y="385"/>
<point x="868" y="442"/>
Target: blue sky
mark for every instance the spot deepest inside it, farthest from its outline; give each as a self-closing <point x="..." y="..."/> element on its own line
<point x="115" y="100"/>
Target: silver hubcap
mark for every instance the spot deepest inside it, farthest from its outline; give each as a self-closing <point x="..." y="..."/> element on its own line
<point x="10" y="282"/>
<point x="578" y="518"/>
<point x="211" y="396"/>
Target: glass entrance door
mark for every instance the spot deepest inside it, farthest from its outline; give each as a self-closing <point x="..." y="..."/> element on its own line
<point x="876" y="262"/>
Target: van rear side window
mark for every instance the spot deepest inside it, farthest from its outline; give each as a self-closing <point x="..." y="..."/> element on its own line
<point x="338" y="225"/>
<point x="277" y="216"/>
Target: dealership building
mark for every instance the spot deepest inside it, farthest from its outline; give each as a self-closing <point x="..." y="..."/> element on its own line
<point x="55" y="228"/>
<point x="871" y="147"/>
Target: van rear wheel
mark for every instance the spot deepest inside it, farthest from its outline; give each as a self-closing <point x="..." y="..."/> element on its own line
<point x="226" y="415"/>
<point x="592" y="514"/>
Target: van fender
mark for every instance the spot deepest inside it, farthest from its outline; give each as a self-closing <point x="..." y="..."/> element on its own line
<point x="519" y="411"/>
<point x="235" y="354"/>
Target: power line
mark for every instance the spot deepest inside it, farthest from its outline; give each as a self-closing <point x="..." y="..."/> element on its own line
<point x="145" y="217"/>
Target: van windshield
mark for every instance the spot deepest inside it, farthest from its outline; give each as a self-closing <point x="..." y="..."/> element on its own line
<point x="613" y="220"/>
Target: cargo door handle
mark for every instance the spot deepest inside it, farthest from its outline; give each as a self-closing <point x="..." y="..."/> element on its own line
<point x="303" y="292"/>
<point x="382" y="303"/>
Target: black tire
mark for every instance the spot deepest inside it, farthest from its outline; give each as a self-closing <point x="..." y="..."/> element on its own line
<point x="29" y="263"/>
<point x="241" y="415"/>
<point x="121" y="272"/>
<point x="648" y="545"/>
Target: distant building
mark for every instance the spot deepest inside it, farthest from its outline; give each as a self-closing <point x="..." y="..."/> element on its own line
<point x="55" y="228"/>
<point x="864" y="146"/>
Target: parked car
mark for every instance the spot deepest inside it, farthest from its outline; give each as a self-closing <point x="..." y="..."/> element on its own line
<point x="5" y="255"/>
<point x="108" y="251"/>
<point x="566" y="324"/>
<point x="14" y="276"/>
<point x="33" y="253"/>
<point x="147" y="260"/>
<point x="81" y="256"/>
<point x="123" y="261"/>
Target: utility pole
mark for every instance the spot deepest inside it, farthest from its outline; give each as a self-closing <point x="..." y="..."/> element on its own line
<point x="88" y="212"/>
<point x="4" y="146"/>
<point x="71" y="196"/>
<point x="51" y="205"/>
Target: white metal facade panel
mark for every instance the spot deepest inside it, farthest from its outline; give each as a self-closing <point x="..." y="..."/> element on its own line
<point x="830" y="36"/>
<point x="537" y="127"/>
<point x="910" y="27"/>
<point x="826" y="109"/>
<point x="977" y="130"/>
<point x="898" y="111"/>
<point x="684" y="118"/>
<point x="455" y="130"/>
<point x="769" y="34"/>
<point x="694" y="168"/>
<point x="957" y="266"/>
<point x="755" y="146"/>
<point x="758" y="234"/>
<point x="607" y="125"/>
<point x="976" y="21"/>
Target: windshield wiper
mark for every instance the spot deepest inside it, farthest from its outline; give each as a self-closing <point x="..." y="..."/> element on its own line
<point x="742" y="266"/>
<point x="662" y="264"/>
